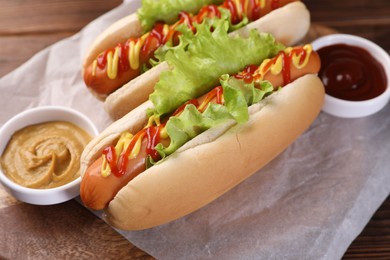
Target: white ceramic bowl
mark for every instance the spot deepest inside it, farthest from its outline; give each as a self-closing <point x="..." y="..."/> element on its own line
<point x="35" y="116"/>
<point x="353" y="109"/>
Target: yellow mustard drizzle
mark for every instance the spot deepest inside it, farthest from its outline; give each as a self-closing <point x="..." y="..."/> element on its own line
<point x="238" y="5"/>
<point x="122" y="144"/>
<point x="134" y="49"/>
<point x="296" y="59"/>
<point x="246" y="5"/>
<point x="243" y="9"/>
<point x="155" y="120"/>
<point x="137" y="148"/>
<point x="163" y="133"/>
<point x="277" y="66"/>
<point x="262" y="70"/>
<point x="113" y="59"/>
<point x="134" y="52"/>
<point x="94" y="66"/>
<point x="105" y="170"/>
<point x="204" y="104"/>
<point x="262" y="3"/>
<point x="165" y="29"/>
<point x="112" y="63"/>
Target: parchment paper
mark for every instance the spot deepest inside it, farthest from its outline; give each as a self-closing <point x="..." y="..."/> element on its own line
<point x="309" y="203"/>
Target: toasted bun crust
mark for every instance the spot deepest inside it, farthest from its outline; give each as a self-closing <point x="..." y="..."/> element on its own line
<point x="134" y="93"/>
<point x="197" y="175"/>
<point x="288" y="24"/>
<point x="119" y="31"/>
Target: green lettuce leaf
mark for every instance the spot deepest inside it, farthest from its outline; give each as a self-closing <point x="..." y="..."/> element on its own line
<point x="238" y="96"/>
<point x="167" y="11"/>
<point x="226" y="15"/>
<point x="199" y="62"/>
<point x="187" y="34"/>
<point x="191" y="123"/>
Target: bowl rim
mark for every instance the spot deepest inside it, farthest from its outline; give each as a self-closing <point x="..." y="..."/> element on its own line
<point x="8" y="183"/>
<point x="369" y="46"/>
<point x="376" y="51"/>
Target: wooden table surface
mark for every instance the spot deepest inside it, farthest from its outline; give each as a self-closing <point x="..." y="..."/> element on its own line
<point x="68" y="230"/>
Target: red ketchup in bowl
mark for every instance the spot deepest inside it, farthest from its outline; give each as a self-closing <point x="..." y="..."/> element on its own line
<point x="351" y="73"/>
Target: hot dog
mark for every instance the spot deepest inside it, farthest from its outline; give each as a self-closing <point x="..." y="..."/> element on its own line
<point x="142" y="181"/>
<point x="117" y="70"/>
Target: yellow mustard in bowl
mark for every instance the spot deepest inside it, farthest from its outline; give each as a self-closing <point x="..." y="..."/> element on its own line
<point x="44" y="155"/>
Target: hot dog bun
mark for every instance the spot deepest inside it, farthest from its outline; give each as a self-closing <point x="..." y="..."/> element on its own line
<point x="288" y="25"/>
<point x="133" y="93"/>
<point x="133" y="121"/>
<point x="215" y="161"/>
<point x="130" y="96"/>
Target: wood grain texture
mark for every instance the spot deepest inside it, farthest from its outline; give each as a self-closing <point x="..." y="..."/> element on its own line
<point x="27" y="26"/>
<point x="12" y="55"/>
<point x="63" y="231"/>
<point x="374" y="241"/>
<point x="366" y="18"/>
<point x="67" y="230"/>
<point x="41" y="16"/>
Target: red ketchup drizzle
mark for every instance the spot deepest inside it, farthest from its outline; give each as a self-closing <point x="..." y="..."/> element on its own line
<point x="152" y="134"/>
<point x="122" y="54"/>
<point x="123" y="158"/>
<point x="155" y="37"/>
<point x="123" y="57"/>
<point x="286" y="68"/>
<point x="256" y="10"/>
<point x="228" y="4"/>
<point x="181" y="108"/>
<point x="275" y="4"/>
<point x="302" y="53"/>
<point x="219" y="94"/>
<point x="153" y="137"/>
<point x="247" y="73"/>
<point x="242" y="8"/>
<point x="102" y="59"/>
<point x="185" y="18"/>
<point x="209" y="11"/>
<point x="287" y="60"/>
<point x="216" y="93"/>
